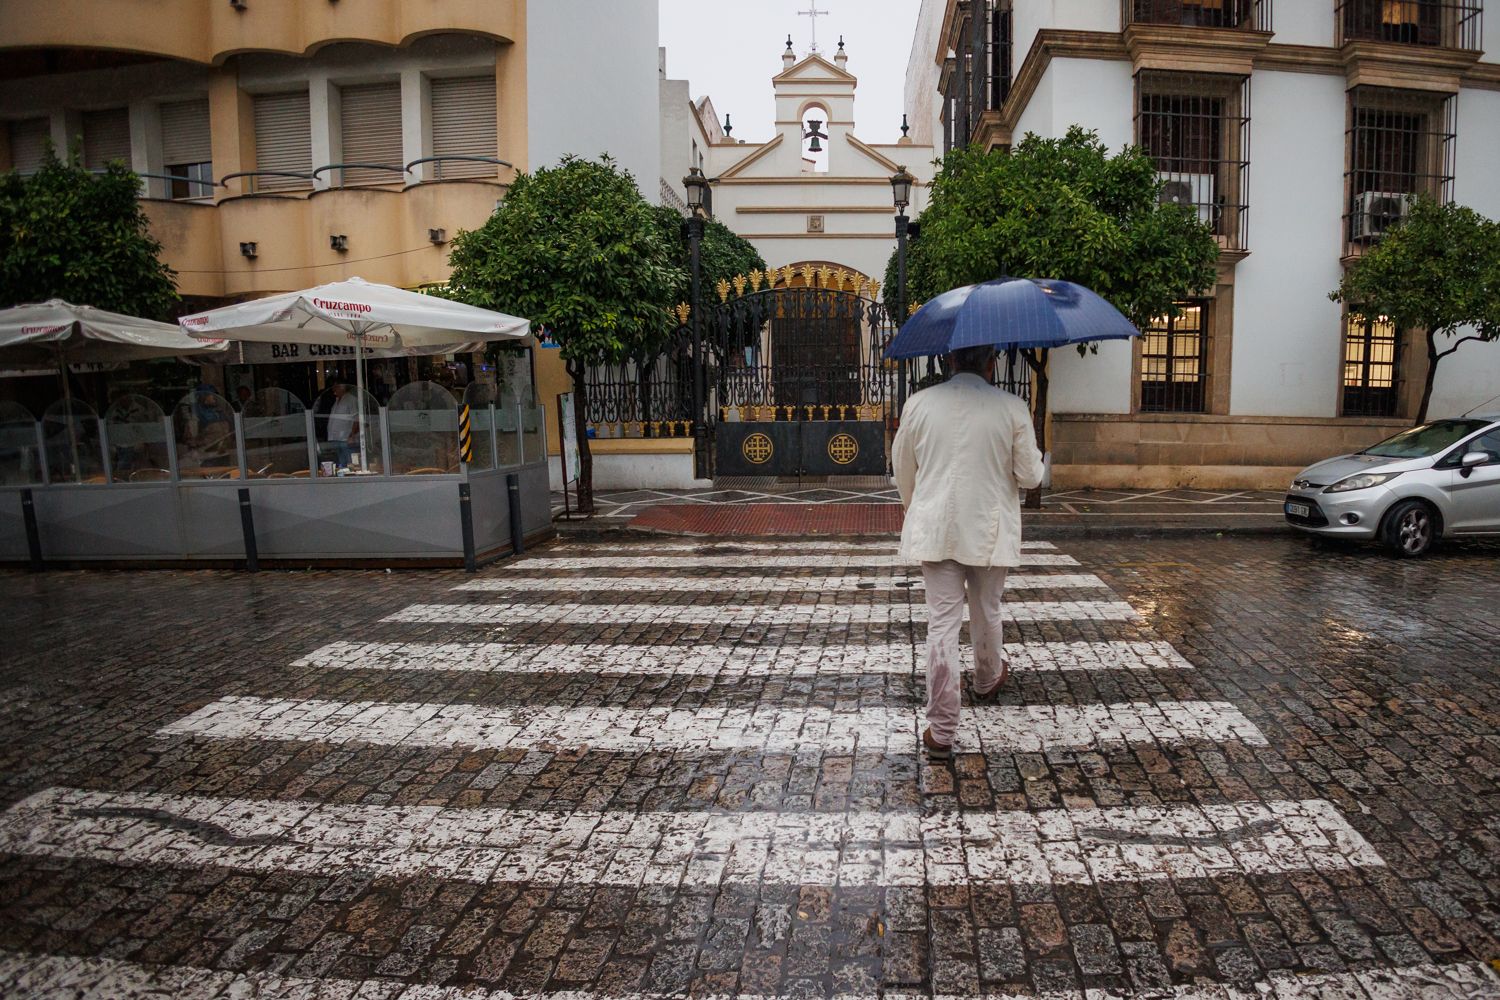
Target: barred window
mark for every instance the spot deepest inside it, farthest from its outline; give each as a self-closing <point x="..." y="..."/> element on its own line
<point x="1197" y="127"/>
<point x="1372" y="353"/>
<point x="1438" y="23"/>
<point x="977" y="77"/>
<point x="1174" y="361"/>
<point x="1250" y="15"/>
<point x="1399" y="145"/>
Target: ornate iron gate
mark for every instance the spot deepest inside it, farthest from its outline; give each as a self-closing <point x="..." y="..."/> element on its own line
<point x="797" y="382"/>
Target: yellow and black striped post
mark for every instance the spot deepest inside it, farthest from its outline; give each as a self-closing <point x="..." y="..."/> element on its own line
<point x="465" y="436"/>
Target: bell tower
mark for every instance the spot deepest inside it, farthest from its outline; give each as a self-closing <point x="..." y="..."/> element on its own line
<point x="815" y="106"/>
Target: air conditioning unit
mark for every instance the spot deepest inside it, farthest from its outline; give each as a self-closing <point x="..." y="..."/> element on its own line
<point x="1377" y="211"/>
<point x="1193" y="190"/>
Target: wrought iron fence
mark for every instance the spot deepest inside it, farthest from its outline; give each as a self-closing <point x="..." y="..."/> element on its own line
<point x="1452" y="24"/>
<point x="649" y="397"/>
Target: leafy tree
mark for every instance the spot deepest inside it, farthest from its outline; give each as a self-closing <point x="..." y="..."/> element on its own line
<point x="1438" y="271"/>
<point x="577" y="250"/>
<point x="722" y="253"/>
<point x="1064" y="209"/>
<point x="70" y="234"/>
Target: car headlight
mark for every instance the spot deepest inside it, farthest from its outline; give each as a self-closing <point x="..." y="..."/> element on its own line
<point x="1363" y="481"/>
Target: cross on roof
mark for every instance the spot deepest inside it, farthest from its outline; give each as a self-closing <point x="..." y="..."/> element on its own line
<point x="812" y="12"/>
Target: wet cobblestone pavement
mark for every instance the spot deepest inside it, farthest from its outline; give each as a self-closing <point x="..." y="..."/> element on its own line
<point x="1225" y="768"/>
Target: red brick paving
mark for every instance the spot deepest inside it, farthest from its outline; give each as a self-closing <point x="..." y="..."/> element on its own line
<point x="773" y="519"/>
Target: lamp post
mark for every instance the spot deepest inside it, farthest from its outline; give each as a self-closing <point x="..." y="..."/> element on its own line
<point x="901" y="183"/>
<point x="696" y="186"/>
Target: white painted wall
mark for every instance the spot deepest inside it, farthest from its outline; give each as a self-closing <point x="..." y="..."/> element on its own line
<point x="1471" y="375"/>
<point x="592" y="84"/>
<point x="1303" y="22"/>
<point x="1287" y="337"/>
<point x="923" y="105"/>
<point x="1030" y="16"/>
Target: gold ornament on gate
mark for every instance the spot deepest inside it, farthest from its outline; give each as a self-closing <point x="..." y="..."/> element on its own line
<point x="739" y="285"/>
<point x="843" y="449"/>
<point x="875" y="290"/>
<point x="722" y="287"/>
<point x="756" y="278"/>
<point x="757" y="449"/>
<point x="683" y="312"/>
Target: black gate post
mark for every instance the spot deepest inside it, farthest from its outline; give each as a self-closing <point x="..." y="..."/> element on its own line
<point x="33" y="534"/>
<point x="247" y="528"/>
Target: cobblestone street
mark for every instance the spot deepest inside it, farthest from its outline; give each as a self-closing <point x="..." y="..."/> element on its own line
<point x="1224" y="768"/>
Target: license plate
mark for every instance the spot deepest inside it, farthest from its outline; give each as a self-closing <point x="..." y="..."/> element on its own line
<point x="1298" y="509"/>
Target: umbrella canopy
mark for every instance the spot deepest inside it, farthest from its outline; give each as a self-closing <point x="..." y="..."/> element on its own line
<point x="48" y="334"/>
<point x="1010" y="312"/>
<point x="354" y="311"/>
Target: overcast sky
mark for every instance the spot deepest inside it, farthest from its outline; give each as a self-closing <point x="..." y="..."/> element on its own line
<point x="730" y="49"/>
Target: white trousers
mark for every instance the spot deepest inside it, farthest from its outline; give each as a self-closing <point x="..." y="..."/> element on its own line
<point x="949" y="585"/>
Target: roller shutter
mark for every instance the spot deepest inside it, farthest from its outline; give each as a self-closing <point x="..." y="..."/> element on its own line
<point x="463" y="124"/>
<point x="283" y="139"/>
<point x="28" y="144"/>
<point x="184" y="133"/>
<point x="370" y="125"/>
<point x="106" y="137"/>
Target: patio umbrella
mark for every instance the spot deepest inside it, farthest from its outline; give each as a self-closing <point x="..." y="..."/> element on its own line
<point x="354" y="311"/>
<point x="1010" y="312"/>
<point x="54" y="334"/>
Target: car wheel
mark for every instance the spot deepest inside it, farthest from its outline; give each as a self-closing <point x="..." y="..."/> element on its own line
<point x="1411" y="527"/>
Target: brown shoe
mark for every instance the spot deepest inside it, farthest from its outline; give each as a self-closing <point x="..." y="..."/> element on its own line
<point x="935" y="750"/>
<point x="994" y="692"/>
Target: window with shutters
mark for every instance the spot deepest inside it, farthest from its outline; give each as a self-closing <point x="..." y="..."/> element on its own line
<point x="28" y="144"/>
<point x="370" y="134"/>
<point x="106" y="138"/>
<point x="185" y="148"/>
<point x="464" y="124"/>
<point x="1372" y="356"/>
<point x="283" y="141"/>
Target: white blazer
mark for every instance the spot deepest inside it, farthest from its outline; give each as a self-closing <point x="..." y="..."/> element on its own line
<point x="964" y="452"/>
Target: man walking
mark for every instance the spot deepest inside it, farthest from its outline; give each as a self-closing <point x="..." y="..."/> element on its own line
<point x="964" y="452"/>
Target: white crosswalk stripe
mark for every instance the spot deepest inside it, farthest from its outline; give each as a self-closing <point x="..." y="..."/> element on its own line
<point x="516" y="583"/>
<point x="697" y="848"/>
<point x="743" y="614"/>
<point x="68" y="977"/>
<point x="785" y="560"/>
<point x="996" y="729"/>
<point x="719" y="660"/>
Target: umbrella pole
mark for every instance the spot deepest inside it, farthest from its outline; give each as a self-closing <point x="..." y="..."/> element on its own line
<point x="359" y="398"/>
<point x="62" y="369"/>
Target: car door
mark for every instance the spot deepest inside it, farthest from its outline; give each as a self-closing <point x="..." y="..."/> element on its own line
<point x="1475" y="497"/>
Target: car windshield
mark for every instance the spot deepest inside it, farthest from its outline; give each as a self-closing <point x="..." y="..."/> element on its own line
<point x="1429" y="439"/>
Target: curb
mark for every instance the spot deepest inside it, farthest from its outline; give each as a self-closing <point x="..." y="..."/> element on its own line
<point x="586" y="530"/>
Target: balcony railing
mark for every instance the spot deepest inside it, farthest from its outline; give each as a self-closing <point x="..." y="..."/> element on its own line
<point x="1241" y="15"/>
<point x="1448" y="24"/>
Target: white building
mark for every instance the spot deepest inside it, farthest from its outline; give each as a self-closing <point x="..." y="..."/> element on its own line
<point x="1299" y="136"/>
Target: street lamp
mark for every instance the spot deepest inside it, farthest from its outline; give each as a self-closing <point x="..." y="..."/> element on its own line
<point x="696" y="186"/>
<point x="901" y="183"/>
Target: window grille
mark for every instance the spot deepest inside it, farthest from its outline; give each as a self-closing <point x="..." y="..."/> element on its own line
<point x="1245" y="15"/>
<point x="979" y="73"/>
<point x="1174" y="361"/>
<point x="1399" y="144"/>
<point x="463" y="124"/>
<point x="1453" y="24"/>
<point x="1372" y="355"/>
<point x="1197" y="128"/>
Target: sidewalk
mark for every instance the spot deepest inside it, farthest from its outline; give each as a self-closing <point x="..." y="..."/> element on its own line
<point x="870" y="506"/>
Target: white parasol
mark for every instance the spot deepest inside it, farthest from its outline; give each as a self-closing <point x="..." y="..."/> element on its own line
<point x="52" y="335"/>
<point x="354" y="311"/>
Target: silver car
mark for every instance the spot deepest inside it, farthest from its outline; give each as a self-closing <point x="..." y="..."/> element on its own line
<point x="1439" y="480"/>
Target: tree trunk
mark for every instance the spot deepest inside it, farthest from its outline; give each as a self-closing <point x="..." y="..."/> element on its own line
<point x="1432" y="363"/>
<point x="580" y="419"/>
<point x="643" y="393"/>
<point x="1037" y="361"/>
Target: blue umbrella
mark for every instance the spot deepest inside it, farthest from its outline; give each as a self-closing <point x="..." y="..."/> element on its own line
<point x="1010" y="312"/>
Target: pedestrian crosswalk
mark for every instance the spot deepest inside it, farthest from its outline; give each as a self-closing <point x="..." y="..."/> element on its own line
<point x="1114" y="708"/>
